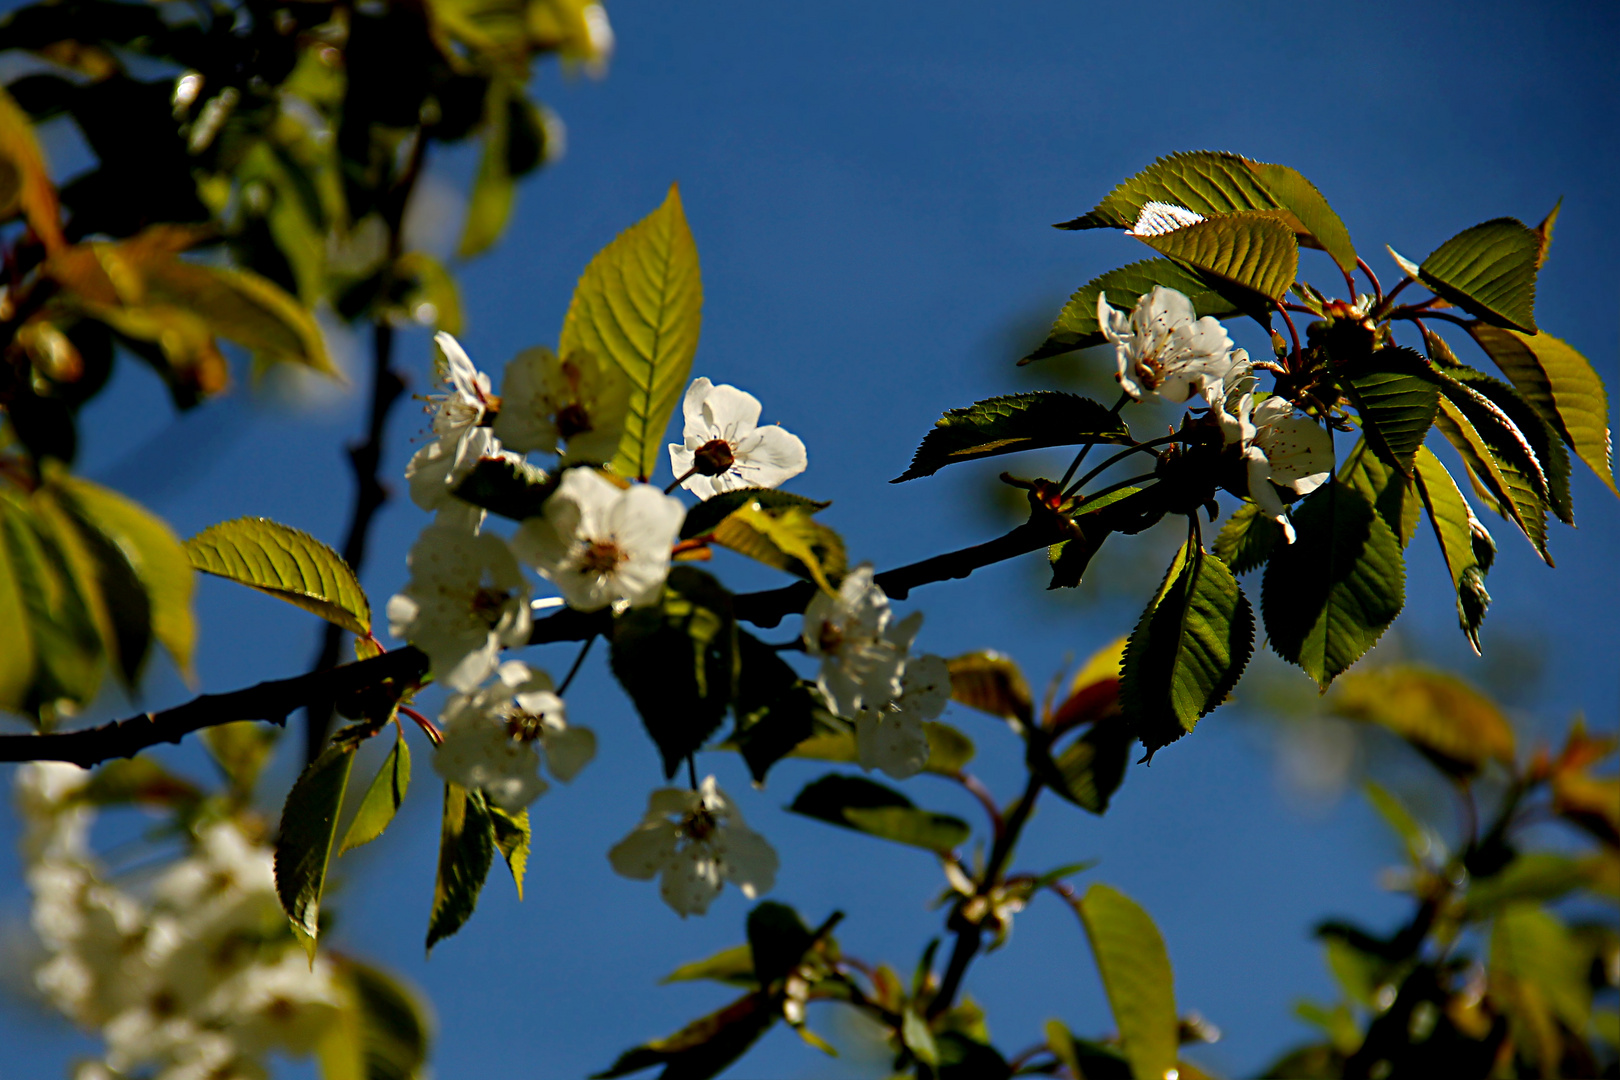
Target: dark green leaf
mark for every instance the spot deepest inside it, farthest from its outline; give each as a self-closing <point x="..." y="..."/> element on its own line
<point x="1247" y="539"/>
<point x="1467" y="548"/>
<point x="1499" y="464"/>
<point x="512" y="836"/>
<point x="508" y="487"/>
<point x="1006" y="425"/>
<point x="395" y="1024"/>
<point x="1561" y="385"/>
<point x="1090" y="770"/>
<point x="706" y="515"/>
<point x="678" y="662"/>
<point x="1524" y="438"/>
<point x="1211" y="182"/>
<point x="466" y="848"/>
<point x="872" y="808"/>
<point x="777" y="940"/>
<point x="964" y="1058"/>
<point x="59" y="627"/>
<point x="775" y="710"/>
<point x="1077" y="327"/>
<point x="1384" y="488"/>
<point x="382" y="798"/>
<point x="1254" y="250"/>
<point x="702" y="1048"/>
<point x="1188" y="649"/>
<point x="309" y="822"/>
<point x="1136" y="974"/>
<point x="1489" y="271"/>
<point x="1330" y="595"/>
<point x="1397" y="396"/>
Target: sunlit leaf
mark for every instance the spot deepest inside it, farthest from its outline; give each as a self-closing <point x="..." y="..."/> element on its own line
<point x="25" y="182"/>
<point x="1489" y="271"/>
<point x="309" y="821"/>
<point x="382" y="798"/>
<point x="1464" y="543"/>
<point x="1247" y="539"/>
<point x="786" y="537"/>
<point x="512" y="838"/>
<point x="286" y="563"/>
<point x="466" y="848"/>
<point x="734" y="966"/>
<point x="1456" y="726"/>
<point x="1006" y="425"/>
<point x="1397" y="397"/>
<point x="706" y="515"/>
<point x="640" y="303"/>
<point x="1255" y="250"/>
<point x="992" y="683"/>
<point x="1500" y="477"/>
<point x="1136" y="975"/>
<point x="1536" y="973"/>
<point x="869" y="807"/>
<point x="1515" y="433"/>
<point x="1077" y="327"/>
<point x="1330" y="595"/>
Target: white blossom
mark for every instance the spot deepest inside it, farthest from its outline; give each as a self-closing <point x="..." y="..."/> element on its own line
<point x="575" y="406"/>
<point x="1281" y="449"/>
<point x="462" y="407"/>
<point x="435" y="471"/>
<point x="892" y="738"/>
<point x="861" y="646"/>
<point x="724" y="447"/>
<point x="496" y="737"/>
<point x="694" y="841"/>
<point x="286" y="1005"/>
<point x="601" y="545"/>
<point x="466" y="599"/>
<point x="1163" y="351"/>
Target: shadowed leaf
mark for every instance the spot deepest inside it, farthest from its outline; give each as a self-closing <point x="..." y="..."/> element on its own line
<point x="1007" y="425"/>
<point x="466" y="848"/>
<point x="869" y="807"/>
<point x="1464" y="543"/>
<point x="309" y="821"/>
<point x="1255" y="250"/>
<point x="382" y="798"/>
<point x="1077" y="327"/>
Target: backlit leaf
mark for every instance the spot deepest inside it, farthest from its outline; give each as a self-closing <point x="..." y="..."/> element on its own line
<point x="16" y="640"/>
<point x="1007" y="425"/>
<point x="1255" y="250"/>
<point x="1383" y="486"/>
<point x="1516" y="433"/>
<point x="1560" y="383"/>
<point x="1188" y="650"/>
<point x="466" y="848"/>
<point x="512" y="838"/>
<point x="1247" y="539"/>
<point x="1536" y="972"/>
<point x="1453" y="724"/>
<point x="640" y="303"/>
<point x="873" y="808"/>
<point x="1090" y="769"/>
<point x="1489" y="271"/>
<point x="382" y="798"/>
<point x="1397" y="397"/>
<point x="1330" y="595"/>
<point x="1464" y="543"/>
<point x="26" y="182"/>
<point x="992" y="683"/>
<point x="1077" y="327"/>
<point x="309" y="821"/>
<point x="286" y="563"/>
<point x="1497" y="466"/>
<point x="734" y="966"/>
<point x="706" y="515"/>
<point x="1136" y="975"/>
<point x="67" y="648"/>
<point x="787" y="538"/>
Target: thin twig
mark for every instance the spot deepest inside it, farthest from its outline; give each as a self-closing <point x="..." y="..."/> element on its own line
<point x="1086" y="449"/>
<point x="1117" y="458"/>
<point x="579" y="661"/>
<point x="1378" y="290"/>
<point x="976" y="788"/>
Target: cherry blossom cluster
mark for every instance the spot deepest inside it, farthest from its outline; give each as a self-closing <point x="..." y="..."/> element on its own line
<point x="1165" y="353"/>
<point x="194" y="975"/>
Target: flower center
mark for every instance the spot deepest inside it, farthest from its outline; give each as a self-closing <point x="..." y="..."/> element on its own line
<point x="572" y="420"/>
<point x="713" y="458"/>
<point x="487" y="605"/>
<point x="699" y="825"/>
<point x="601" y="557"/>
<point x="522" y="725"/>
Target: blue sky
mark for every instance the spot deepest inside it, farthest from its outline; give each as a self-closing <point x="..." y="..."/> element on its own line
<point x="871" y="187"/>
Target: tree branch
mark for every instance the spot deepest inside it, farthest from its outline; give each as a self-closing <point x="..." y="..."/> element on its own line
<point x="272" y="701"/>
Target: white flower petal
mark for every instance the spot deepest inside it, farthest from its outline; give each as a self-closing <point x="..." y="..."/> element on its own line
<point x="568" y="751"/>
<point x="646" y="851"/>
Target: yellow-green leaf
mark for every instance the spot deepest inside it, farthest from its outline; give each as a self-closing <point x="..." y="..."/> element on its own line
<point x="26" y="182"/>
<point x="309" y="822"/>
<point x="466" y="848"/>
<point x="1455" y="725"/>
<point x="788" y="539"/>
<point x="68" y="651"/>
<point x="512" y="836"/>
<point x="1136" y="975"/>
<point x="382" y="799"/>
<point x="1255" y="249"/>
<point x="640" y="302"/>
<point x="992" y="683"/>
<point x="490" y="204"/>
<point x="431" y="296"/>
<point x="1489" y="271"/>
<point x="1466" y="545"/>
<point x="286" y="563"/>
<point x="16" y="640"/>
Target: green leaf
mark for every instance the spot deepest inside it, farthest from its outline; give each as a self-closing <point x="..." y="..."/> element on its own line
<point x="702" y="1048"/>
<point x="382" y="798"/>
<point x="734" y="966"/>
<point x="1136" y="975"/>
<point x="1188" y="649"/>
<point x="286" y="563"/>
<point x="678" y="662"/>
<point x="139" y="780"/>
<point x="466" y="848"/>
<point x="1255" y="250"/>
<point x="430" y="294"/>
<point x="17" y="646"/>
<point x="640" y="302"/>
<point x="1454" y="725"/>
<point x="706" y="515"/>
<point x="1006" y="425"/>
<point x="992" y="682"/>
<point x="1388" y="492"/>
<point x="508" y="487"/>
<point x="777" y="940"/>
<point x="309" y="821"/>
<point x="68" y="654"/>
<point x="917" y="1038"/>
<point x="1490" y="272"/>
<point x="873" y="808"/>
<point x="241" y="749"/>
<point x="1090" y="769"/>
<point x="1397" y="396"/>
<point x="1467" y="548"/>
<point x="490" y="205"/>
<point x="1247" y="539"/>
<point x="1212" y="182"/>
<point x="512" y="837"/>
<point x="1562" y="387"/>
<point x="1497" y="464"/>
<point x="1535" y="876"/>
<point x="1330" y="595"/>
<point x="948" y="749"/>
<point x="1531" y="948"/>
<point x="787" y="538"/>
<point x="1077" y="327"/>
<point x="775" y="709"/>
<point x="382" y="1031"/>
<point x="1516" y="432"/>
<point x="1422" y="846"/>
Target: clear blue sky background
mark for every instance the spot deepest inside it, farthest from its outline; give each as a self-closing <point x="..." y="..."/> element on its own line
<point x="870" y="187"/>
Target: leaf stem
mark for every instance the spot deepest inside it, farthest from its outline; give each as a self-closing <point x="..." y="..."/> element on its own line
<point x="681" y="479"/>
<point x="1292" y="332"/>
<point x="579" y="661"/>
<point x="1117" y="458"/>
<point x="1378" y="290"/>
<point x="1109" y="490"/>
<point x="976" y="788"/>
<point x="1086" y="449"/>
